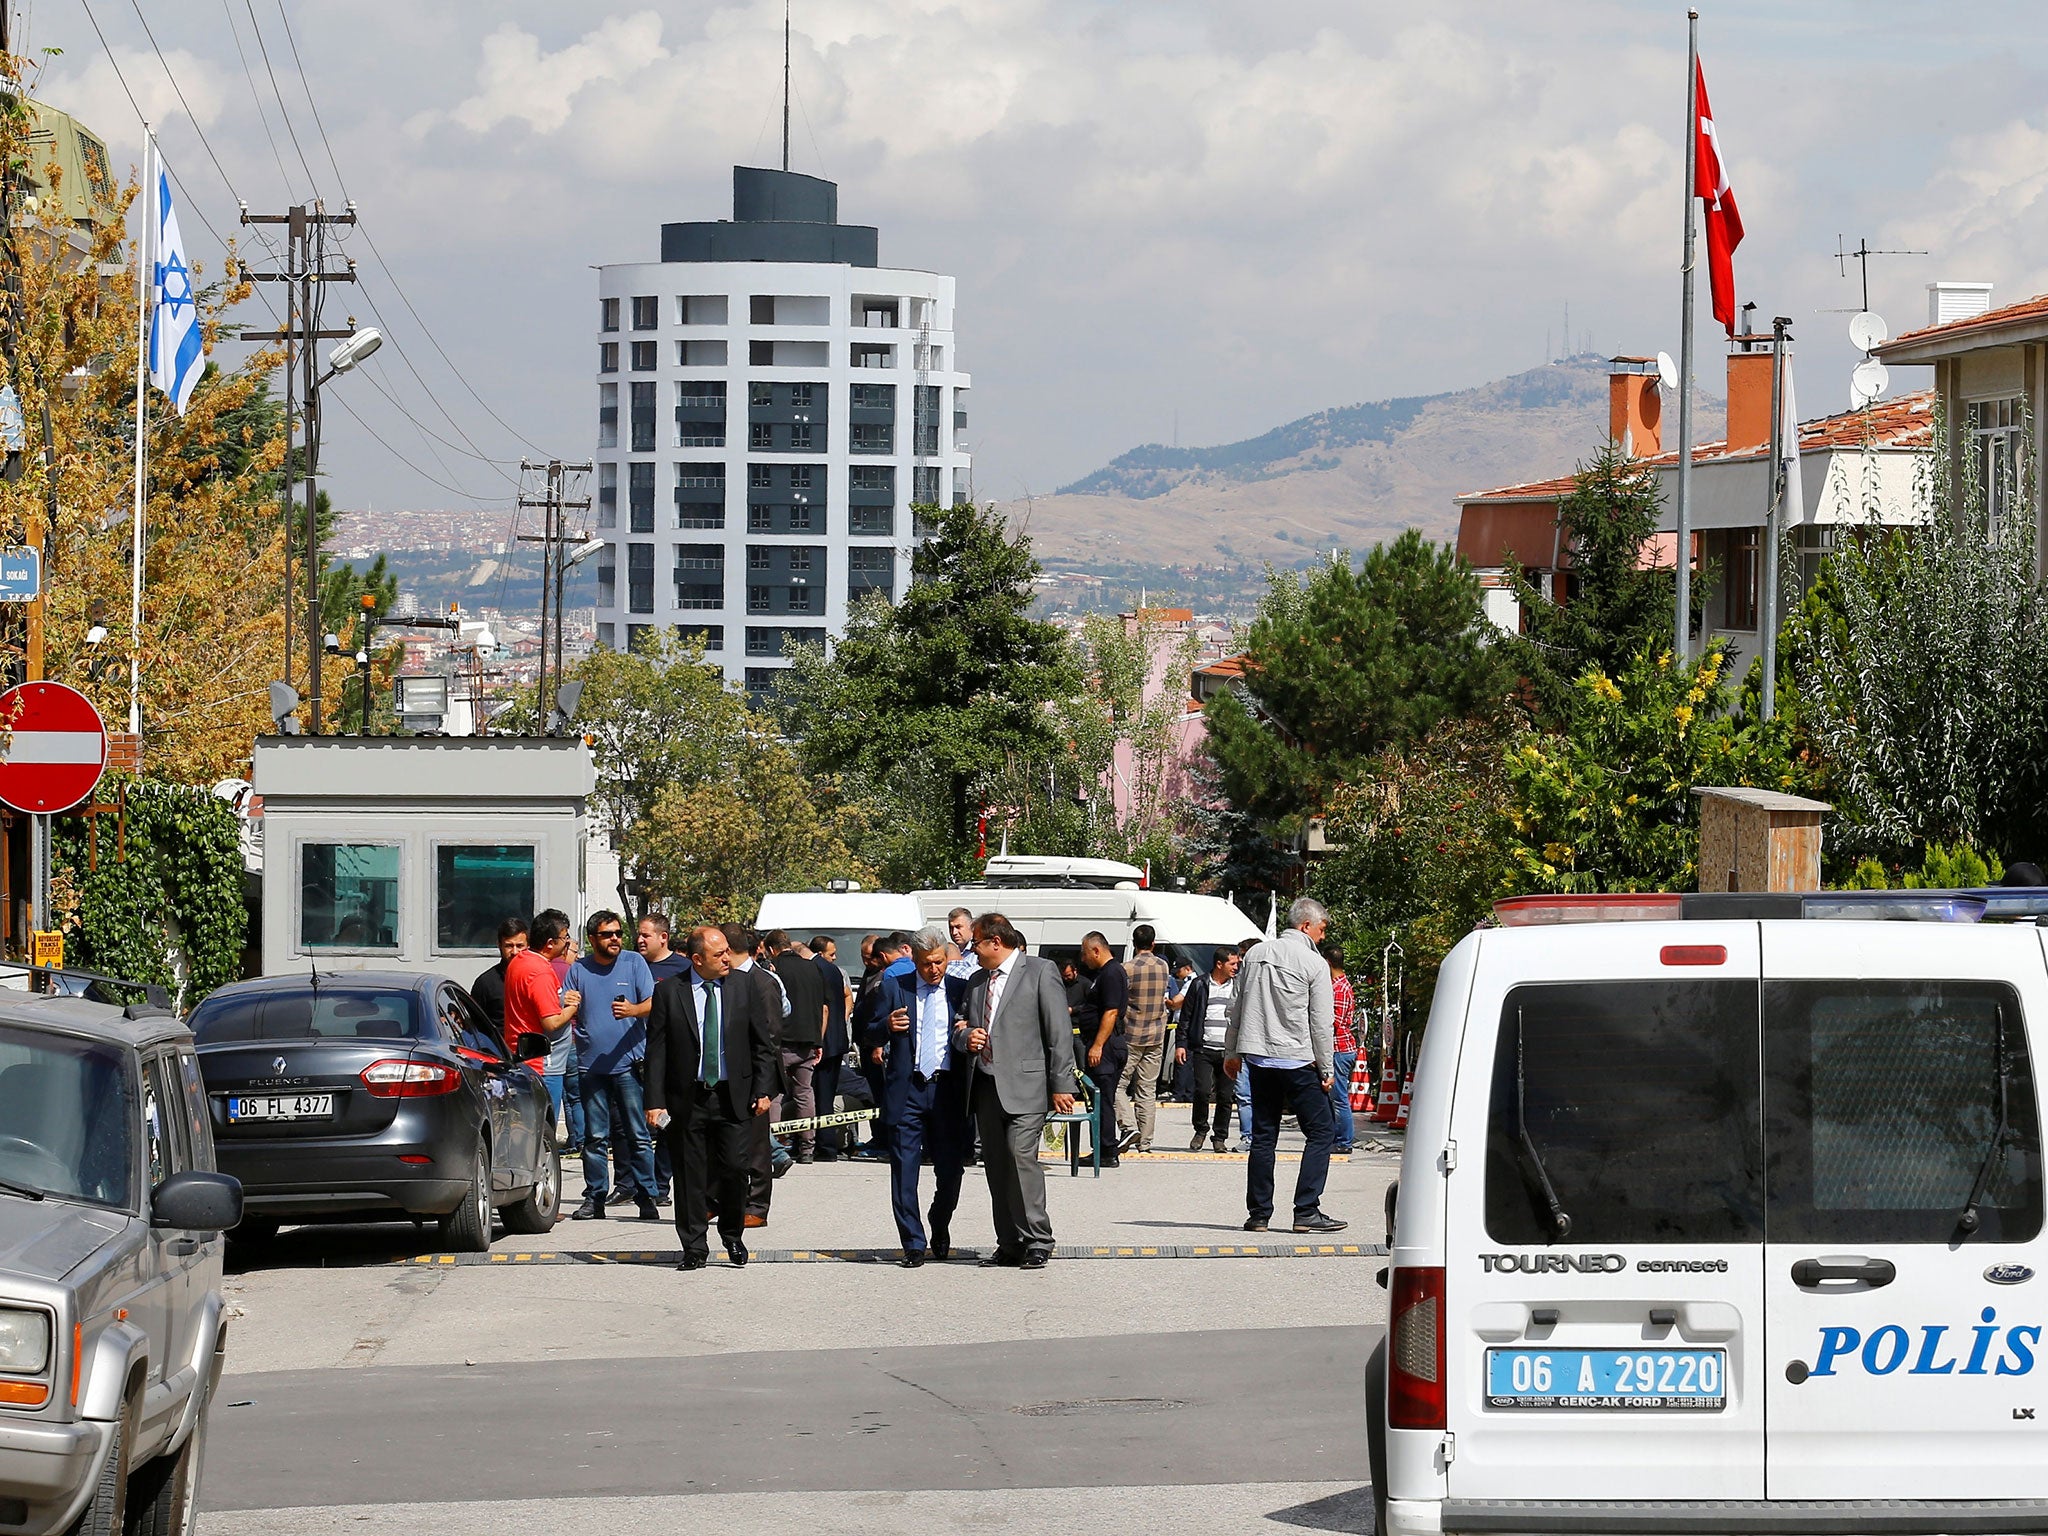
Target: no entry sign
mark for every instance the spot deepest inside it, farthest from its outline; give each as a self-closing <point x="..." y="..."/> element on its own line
<point x="58" y="750"/>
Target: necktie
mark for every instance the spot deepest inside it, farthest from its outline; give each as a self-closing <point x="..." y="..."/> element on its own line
<point x="713" y="1048"/>
<point x="988" y="1022"/>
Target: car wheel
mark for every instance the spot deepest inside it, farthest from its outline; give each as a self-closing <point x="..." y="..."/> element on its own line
<point x="542" y="1206"/>
<point x="163" y="1499"/>
<point x="107" y="1514"/>
<point x="1376" y="1432"/>
<point x="467" y="1228"/>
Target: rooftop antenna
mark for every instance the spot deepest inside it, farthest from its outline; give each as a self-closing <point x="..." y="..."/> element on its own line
<point x="785" y="85"/>
<point x="1861" y="256"/>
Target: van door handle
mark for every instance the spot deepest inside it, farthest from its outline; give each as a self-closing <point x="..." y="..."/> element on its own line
<point x="1872" y="1272"/>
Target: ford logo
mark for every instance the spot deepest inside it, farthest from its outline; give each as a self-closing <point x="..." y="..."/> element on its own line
<point x="2008" y="1274"/>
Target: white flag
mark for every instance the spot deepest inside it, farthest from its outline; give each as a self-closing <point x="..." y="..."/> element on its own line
<point x="176" y="342"/>
<point x="1793" y="507"/>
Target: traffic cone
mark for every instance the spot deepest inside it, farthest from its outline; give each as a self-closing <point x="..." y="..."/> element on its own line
<point x="1360" y="1087"/>
<point x="1407" y="1094"/>
<point x="1390" y="1094"/>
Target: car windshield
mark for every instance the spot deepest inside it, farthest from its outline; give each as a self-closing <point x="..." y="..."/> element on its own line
<point x="346" y="1013"/>
<point x="67" y="1111"/>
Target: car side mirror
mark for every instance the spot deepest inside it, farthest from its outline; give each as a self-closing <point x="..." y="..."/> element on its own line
<point x="532" y="1047"/>
<point x="196" y="1202"/>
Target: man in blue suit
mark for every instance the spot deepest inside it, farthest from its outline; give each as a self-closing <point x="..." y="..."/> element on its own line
<point x="909" y="1035"/>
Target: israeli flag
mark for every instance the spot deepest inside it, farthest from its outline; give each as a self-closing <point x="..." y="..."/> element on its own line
<point x="176" y="342"/>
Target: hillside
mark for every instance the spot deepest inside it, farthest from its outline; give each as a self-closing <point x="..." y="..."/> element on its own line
<point x="1348" y="477"/>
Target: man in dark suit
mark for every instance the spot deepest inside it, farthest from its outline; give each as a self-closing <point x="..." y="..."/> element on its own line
<point x="1017" y="1038"/>
<point x="924" y="1091"/>
<point x="803" y="1034"/>
<point x="825" y="1081"/>
<point x="765" y="1160"/>
<point x="711" y="1074"/>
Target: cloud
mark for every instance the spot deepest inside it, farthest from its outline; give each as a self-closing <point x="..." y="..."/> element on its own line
<point x="94" y="95"/>
<point x="517" y="82"/>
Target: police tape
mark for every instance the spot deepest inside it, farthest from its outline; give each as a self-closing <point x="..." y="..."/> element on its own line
<point x="819" y="1122"/>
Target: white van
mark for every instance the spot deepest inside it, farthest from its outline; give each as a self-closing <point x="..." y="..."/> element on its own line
<point x="846" y="917"/>
<point x="1728" y="1218"/>
<point x="1055" y="918"/>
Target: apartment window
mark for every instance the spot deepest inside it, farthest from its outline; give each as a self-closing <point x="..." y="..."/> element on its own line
<point x="873" y="477"/>
<point x="800" y="477"/>
<point x="800" y="600"/>
<point x="763" y="641"/>
<point x="874" y="397"/>
<point x="1996" y="430"/>
<point x="700" y="395"/>
<point x="800" y="517"/>
<point x="608" y="577"/>
<point x="608" y="357"/>
<point x="700" y="309"/>
<point x="872" y="437"/>
<point x="607" y="415"/>
<point x="871" y="521"/>
<point x="608" y="314"/>
<point x="800" y="395"/>
<point x="757" y="599"/>
<point x="800" y="435"/>
<point x="640" y="497"/>
<point x="760" y="518"/>
<point x="761" y="435"/>
<point x="639" y="579"/>
<point x="701" y="477"/>
<point x="757" y="558"/>
<point x="700" y="576"/>
<point x="761" y="354"/>
<point x="710" y="636"/>
<point x="644" y="360"/>
<point x="761" y="309"/>
<point x="607" y="495"/>
<point x="700" y="495"/>
<point x="643" y="417"/>
<point x="647" y="314"/>
<point x="868" y="356"/>
<point x="870" y="570"/>
<point x="636" y="636"/>
<point x="1742" y="578"/>
<point x="799" y="559"/>
<point x="607" y="636"/>
<point x="924" y="485"/>
<point x="759" y="394"/>
<point x="761" y="679"/>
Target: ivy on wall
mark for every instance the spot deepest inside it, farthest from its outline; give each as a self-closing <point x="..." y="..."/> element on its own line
<point x="161" y="901"/>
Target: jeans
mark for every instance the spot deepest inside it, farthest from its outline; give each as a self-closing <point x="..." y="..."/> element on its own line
<point x="1137" y="1094"/>
<point x="1340" y="1096"/>
<point x="1275" y="1090"/>
<point x="1244" y="1104"/>
<point x="613" y="1108"/>
<point x="567" y="1090"/>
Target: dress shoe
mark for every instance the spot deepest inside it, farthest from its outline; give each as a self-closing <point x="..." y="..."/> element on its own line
<point x="913" y="1258"/>
<point x="1112" y="1161"/>
<point x="781" y="1166"/>
<point x="942" y="1242"/>
<point x="1319" y="1223"/>
<point x="649" y="1211"/>
<point x="1037" y="1258"/>
<point x="1219" y="1144"/>
<point x="1196" y="1144"/>
<point x="664" y="1201"/>
<point x="589" y="1210"/>
<point x="1003" y="1258"/>
<point x="1255" y="1224"/>
<point x="806" y="1157"/>
<point x="756" y="1219"/>
<point x="736" y="1250"/>
<point x="699" y="1262"/>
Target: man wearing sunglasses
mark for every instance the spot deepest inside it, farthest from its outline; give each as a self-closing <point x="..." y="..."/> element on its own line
<point x="611" y="1037"/>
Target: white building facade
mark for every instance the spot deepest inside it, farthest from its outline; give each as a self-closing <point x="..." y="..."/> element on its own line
<point x="771" y="404"/>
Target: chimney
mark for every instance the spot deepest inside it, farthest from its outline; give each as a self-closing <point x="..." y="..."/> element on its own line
<point x="1956" y="301"/>
<point x="1634" y="406"/>
<point x="1749" y="393"/>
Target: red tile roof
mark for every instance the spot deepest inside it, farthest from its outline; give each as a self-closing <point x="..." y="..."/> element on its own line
<point x="2035" y="308"/>
<point x="1906" y="422"/>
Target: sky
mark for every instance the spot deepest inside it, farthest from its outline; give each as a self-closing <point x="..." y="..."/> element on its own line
<point x="1191" y="217"/>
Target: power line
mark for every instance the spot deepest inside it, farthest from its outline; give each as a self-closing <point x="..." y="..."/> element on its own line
<point x="455" y="490"/>
<point x="282" y="110"/>
<point x="306" y="85"/>
<point x="190" y="116"/>
<point x="256" y="97"/>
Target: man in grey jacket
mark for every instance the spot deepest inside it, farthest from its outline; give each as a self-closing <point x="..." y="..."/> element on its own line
<point x="1281" y="1028"/>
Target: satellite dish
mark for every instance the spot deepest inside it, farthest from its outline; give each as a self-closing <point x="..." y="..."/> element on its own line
<point x="1667" y="371"/>
<point x="1868" y="381"/>
<point x="1867" y="330"/>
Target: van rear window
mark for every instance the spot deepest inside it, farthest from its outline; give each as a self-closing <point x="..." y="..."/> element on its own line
<point x="1637" y="1102"/>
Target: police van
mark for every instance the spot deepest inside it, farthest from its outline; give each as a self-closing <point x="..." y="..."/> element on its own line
<point x="1723" y="1213"/>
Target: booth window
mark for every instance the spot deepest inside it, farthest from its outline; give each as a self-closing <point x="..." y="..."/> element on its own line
<point x="476" y="887"/>
<point x="348" y="896"/>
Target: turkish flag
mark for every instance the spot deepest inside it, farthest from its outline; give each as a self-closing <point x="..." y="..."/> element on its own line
<point x="1724" y="222"/>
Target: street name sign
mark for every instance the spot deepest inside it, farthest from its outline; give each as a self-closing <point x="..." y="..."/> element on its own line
<point x="21" y="574"/>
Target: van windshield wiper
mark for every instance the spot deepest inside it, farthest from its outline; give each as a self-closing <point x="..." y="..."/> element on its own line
<point x="1534" y="1174"/>
<point x="1994" y="1155"/>
<point x="25" y="1191"/>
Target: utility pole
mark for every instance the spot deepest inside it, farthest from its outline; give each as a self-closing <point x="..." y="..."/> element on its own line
<point x="305" y="275"/>
<point x="554" y="540"/>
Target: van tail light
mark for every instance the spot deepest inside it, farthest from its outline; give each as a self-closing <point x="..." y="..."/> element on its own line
<point x="396" y="1079"/>
<point x="1415" y="1351"/>
<point x="1694" y="954"/>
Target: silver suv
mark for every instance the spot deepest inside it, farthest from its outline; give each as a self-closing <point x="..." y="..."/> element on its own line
<point x="111" y="1330"/>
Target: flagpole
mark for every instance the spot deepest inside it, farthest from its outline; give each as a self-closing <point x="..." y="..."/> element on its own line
<point x="1682" y="645"/>
<point x="144" y="278"/>
<point x="1775" y="513"/>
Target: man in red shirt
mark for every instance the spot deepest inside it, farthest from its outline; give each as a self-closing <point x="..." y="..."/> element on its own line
<point x="534" y="1004"/>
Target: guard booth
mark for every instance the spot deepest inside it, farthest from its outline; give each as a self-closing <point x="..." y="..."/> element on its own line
<point x="405" y="853"/>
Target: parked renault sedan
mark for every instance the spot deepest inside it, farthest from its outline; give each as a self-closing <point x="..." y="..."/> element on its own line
<point x="367" y="1095"/>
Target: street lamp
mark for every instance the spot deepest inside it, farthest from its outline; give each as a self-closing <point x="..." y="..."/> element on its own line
<point x="351" y="352"/>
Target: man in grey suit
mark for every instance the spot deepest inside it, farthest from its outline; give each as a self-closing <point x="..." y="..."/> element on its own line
<point x="1016" y="1034"/>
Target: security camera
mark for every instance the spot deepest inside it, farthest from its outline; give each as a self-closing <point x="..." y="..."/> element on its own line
<point x="354" y="350"/>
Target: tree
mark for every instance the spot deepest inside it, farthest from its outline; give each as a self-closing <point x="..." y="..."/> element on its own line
<point x="941" y="692"/>
<point x="1607" y="805"/>
<point x="1342" y="662"/>
<point x="1617" y="606"/>
<point x="1922" y="667"/>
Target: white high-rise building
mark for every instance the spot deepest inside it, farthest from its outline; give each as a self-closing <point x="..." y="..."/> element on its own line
<point x="771" y="404"/>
